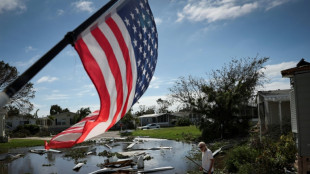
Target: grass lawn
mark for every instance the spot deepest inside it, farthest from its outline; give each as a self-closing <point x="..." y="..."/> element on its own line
<point x="14" y="143"/>
<point x="184" y="133"/>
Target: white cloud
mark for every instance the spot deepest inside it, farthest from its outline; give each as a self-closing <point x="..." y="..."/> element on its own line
<point x="71" y="53"/>
<point x="147" y="101"/>
<point x="211" y="11"/>
<point x="84" y="6"/>
<point x="285" y="84"/>
<point x="60" y="12"/>
<point x="273" y="71"/>
<point x="29" y="48"/>
<point x="92" y="107"/>
<point x="154" y="82"/>
<point x="10" y="5"/>
<point x="157" y="82"/>
<point x="56" y="97"/>
<point x="151" y="101"/>
<point x="27" y="63"/>
<point x="275" y="3"/>
<point x="158" y="21"/>
<point x="46" y="79"/>
<point x="89" y="90"/>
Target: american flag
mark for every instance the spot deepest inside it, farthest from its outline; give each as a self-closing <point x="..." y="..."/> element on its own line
<point x="119" y="53"/>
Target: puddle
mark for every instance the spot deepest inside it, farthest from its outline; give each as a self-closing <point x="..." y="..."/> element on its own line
<point x="56" y="162"/>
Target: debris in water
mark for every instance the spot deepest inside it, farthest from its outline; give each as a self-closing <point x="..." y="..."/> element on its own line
<point x="78" y="166"/>
<point x="156" y="169"/>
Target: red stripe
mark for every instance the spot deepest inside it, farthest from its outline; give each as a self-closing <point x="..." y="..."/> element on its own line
<point x="95" y="73"/>
<point x="119" y="36"/>
<point x="107" y="48"/>
<point x="61" y="144"/>
<point x="89" y="118"/>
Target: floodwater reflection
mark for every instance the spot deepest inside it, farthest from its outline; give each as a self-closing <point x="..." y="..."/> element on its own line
<point x="56" y="162"/>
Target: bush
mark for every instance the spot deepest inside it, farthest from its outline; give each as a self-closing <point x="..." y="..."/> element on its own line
<point x="277" y="154"/>
<point x="268" y="156"/>
<point x="241" y="159"/>
<point x="22" y="131"/>
<point x="183" y="122"/>
<point x="209" y="131"/>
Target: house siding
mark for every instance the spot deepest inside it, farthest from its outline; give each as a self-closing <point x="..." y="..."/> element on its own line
<point x="302" y="99"/>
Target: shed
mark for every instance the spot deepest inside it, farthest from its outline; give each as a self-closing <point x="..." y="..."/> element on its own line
<point x="273" y="110"/>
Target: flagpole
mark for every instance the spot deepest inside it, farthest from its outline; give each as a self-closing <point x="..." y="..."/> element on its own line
<point x="69" y="38"/>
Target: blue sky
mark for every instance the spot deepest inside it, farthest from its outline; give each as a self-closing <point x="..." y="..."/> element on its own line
<point x="195" y="37"/>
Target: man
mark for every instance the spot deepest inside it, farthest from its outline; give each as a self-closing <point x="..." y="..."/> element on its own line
<point x="207" y="159"/>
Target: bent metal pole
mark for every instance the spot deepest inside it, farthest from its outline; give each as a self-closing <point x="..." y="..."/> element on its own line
<point x="69" y="38"/>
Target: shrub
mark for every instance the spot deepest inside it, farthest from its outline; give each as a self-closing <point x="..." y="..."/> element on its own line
<point x="268" y="156"/>
<point x="241" y="159"/>
<point x="209" y="131"/>
<point x="183" y="122"/>
<point x="22" y="131"/>
<point x="277" y="154"/>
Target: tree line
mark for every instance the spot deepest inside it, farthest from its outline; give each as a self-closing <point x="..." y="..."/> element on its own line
<point x="220" y="98"/>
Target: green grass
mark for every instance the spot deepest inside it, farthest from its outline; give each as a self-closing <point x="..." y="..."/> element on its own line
<point x="184" y="133"/>
<point x="14" y="143"/>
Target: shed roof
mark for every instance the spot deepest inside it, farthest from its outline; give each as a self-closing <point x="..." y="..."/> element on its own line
<point x="302" y="66"/>
<point x="275" y="95"/>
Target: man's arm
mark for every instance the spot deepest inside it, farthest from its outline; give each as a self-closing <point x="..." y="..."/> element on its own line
<point x="210" y="169"/>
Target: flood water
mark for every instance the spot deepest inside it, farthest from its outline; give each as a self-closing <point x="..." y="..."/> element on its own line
<point x="56" y="162"/>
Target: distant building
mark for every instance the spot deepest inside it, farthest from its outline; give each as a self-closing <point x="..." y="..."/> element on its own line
<point x="13" y="121"/>
<point x="61" y="121"/>
<point x="163" y="119"/>
<point x="194" y="118"/>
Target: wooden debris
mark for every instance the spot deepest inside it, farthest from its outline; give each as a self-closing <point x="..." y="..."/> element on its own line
<point x="132" y="153"/>
<point x="120" y="163"/>
<point x="78" y="166"/>
<point x="131" y="145"/>
<point x="9" y="156"/>
<point x="108" y="146"/>
<point x="156" y="169"/>
<point x="42" y="151"/>
<point x="118" y="170"/>
<point x="93" y="151"/>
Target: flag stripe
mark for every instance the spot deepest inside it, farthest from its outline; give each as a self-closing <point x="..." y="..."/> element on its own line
<point x="95" y="75"/>
<point x="125" y="52"/>
<point x="126" y="36"/>
<point x="105" y="45"/>
<point x="103" y="63"/>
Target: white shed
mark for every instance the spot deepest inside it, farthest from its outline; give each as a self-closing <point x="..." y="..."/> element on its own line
<point x="273" y="109"/>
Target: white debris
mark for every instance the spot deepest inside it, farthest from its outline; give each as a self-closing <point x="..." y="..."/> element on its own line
<point x="78" y="166"/>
